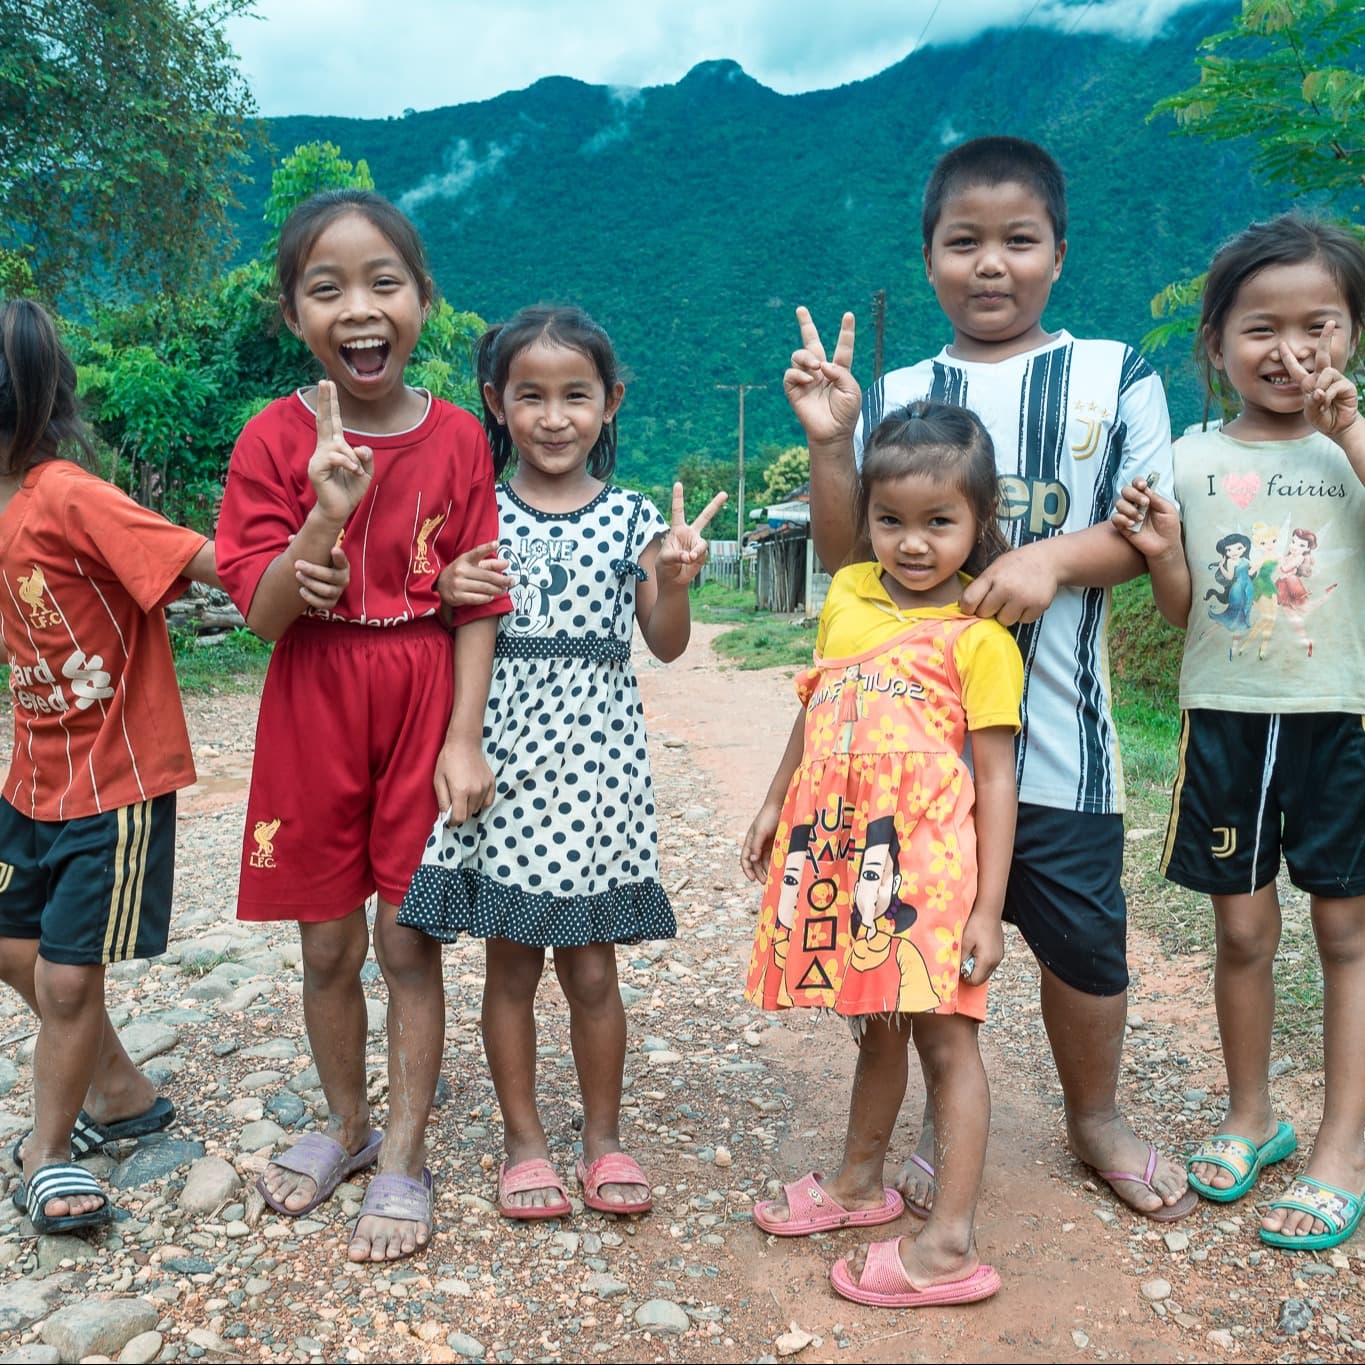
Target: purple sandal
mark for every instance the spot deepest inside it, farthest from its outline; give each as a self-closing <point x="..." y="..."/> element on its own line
<point x="402" y="1199"/>
<point x="325" y="1162"/>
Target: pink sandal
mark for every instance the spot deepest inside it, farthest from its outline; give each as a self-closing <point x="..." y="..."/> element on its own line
<point x="810" y="1209"/>
<point x="612" y="1168"/>
<point x="884" y="1283"/>
<point x="533" y="1174"/>
<point x="1163" y="1213"/>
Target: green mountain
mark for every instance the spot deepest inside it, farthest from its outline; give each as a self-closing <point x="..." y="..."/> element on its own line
<point x="691" y="219"/>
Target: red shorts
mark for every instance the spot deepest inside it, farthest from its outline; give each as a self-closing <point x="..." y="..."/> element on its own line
<point x="342" y="803"/>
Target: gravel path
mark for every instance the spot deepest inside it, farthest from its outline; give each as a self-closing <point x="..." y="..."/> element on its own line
<point x="721" y="1102"/>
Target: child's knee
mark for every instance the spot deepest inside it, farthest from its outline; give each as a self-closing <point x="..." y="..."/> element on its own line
<point x="588" y="976"/>
<point x="407" y="957"/>
<point x="17" y="959"/>
<point x="1339" y="928"/>
<point x="67" y="992"/>
<point x="1246" y="944"/>
<point x="334" y="952"/>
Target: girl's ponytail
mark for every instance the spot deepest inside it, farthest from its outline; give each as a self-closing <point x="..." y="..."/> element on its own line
<point x="38" y="410"/>
<point x="485" y="354"/>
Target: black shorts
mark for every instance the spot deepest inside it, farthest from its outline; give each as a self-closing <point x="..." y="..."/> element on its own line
<point x="1066" y="899"/>
<point x="91" y="890"/>
<point x="1250" y="788"/>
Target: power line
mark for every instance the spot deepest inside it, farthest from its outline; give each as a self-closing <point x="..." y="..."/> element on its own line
<point x="925" y="29"/>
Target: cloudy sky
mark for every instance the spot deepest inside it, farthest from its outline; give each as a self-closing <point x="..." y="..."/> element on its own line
<point x="374" y="58"/>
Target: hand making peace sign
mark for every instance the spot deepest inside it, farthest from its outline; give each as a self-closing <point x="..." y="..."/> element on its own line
<point x="823" y="392"/>
<point x="682" y="552"/>
<point x="340" y="474"/>
<point x="1330" y="400"/>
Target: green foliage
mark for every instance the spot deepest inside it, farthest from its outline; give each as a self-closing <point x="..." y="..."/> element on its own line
<point x="1144" y="648"/>
<point x="769" y="642"/>
<point x="233" y="663"/>
<point x="1289" y="74"/>
<point x="789" y="469"/>
<point x="123" y="132"/>
<point x="169" y="382"/>
<point x="313" y="167"/>
<point x="716" y="602"/>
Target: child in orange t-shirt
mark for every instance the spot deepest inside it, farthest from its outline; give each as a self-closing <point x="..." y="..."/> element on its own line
<point x="87" y="812"/>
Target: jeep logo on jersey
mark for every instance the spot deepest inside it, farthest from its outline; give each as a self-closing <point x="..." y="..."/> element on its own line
<point x="1042" y="504"/>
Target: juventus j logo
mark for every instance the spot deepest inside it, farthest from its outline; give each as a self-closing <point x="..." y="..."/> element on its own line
<point x="1093" y="426"/>
<point x="1225" y="842"/>
<point x="6" y="876"/>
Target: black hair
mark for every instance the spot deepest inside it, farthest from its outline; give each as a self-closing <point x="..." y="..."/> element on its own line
<point x="996" y="161"/>
<point x="943" y="442"/>
<point x="569" y="327"/>
<point x="1290" y="239"/>
<point x="883" y="831"/>
<point x="38" y="407"/>
<point x="316" y="214"/>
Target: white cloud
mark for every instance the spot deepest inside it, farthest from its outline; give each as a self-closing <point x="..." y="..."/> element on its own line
<point x="461" y="171"/>
<point x="366" y="59"/>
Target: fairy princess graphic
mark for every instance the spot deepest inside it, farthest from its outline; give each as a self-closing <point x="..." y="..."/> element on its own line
<point x="1232" y="577"/>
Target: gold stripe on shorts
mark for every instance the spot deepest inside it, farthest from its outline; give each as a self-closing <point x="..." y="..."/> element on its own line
<point x="130" y="867"/>
<point x="1176" y="791"/>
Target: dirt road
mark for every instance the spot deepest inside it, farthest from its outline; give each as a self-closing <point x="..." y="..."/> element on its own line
<point x="720" y="1101"/>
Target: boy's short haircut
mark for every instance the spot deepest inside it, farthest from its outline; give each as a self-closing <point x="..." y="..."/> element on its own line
<point x="996" y="161"/>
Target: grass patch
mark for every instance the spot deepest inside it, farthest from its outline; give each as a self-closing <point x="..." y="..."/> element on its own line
<point x="237" y="664"/>
<point x="717" y="603"/>
<point x="770" y="642"/>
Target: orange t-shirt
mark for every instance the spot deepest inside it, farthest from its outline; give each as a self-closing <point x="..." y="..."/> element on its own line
<point x="84" y="573"/>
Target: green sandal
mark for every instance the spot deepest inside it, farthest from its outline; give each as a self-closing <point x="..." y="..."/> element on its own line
<point x="1338" y="1209"/>
<point x="1242" y="1157"/>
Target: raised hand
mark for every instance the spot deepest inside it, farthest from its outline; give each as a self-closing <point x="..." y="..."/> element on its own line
<point x="340" y="473"/>
<point x="822" y="391"/>
<point x="474" y="578"/>
<point x="1330" y="400"/>
<point x="322" y="585"/>
<point x="1148" y="520"/>
<point x="683" y="551"/>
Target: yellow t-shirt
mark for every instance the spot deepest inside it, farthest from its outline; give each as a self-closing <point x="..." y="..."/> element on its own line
<point x="859" y="615"/>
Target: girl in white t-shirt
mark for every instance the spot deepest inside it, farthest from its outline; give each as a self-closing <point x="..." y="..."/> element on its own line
<point x="1268" y="582"/>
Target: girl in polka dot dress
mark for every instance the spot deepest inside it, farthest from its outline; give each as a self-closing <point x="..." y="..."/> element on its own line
<point x="566" y="856"/>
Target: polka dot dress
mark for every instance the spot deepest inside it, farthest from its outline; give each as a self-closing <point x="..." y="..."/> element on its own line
<point x="567" y="854"/>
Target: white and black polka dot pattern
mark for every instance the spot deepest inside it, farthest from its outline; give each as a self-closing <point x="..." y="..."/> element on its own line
<point x="567" y="854"/>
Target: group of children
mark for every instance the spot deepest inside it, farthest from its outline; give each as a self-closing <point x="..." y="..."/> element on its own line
<point x="451" y="724"/>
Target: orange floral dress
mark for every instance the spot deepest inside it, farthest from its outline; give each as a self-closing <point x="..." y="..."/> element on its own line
<point x="873" y="870"/>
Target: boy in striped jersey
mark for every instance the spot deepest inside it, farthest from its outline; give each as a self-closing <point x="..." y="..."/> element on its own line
<point x="1071" y="421"/>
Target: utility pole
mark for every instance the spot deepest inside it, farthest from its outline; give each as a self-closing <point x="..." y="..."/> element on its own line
<point x="879" y="326"/>
<point x="743" y="389"/>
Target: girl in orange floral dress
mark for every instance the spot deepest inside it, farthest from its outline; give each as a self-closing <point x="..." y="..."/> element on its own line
<point x="886" y="855"/>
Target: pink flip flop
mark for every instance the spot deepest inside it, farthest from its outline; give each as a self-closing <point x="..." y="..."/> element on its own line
<point x="612" y="1168"/>
<point x="1166" y="1213"/>
<point x="535" y="1173"/>
<point x="810" y="1209"/>
<point x="884" y="1283"/>
<point x="325" y="1162"/>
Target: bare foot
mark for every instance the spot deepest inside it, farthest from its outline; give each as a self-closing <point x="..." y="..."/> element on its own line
<point x="1112" y="1146"/>
<point x="916" y="1179"/>
<point x="395" y="1227"/>
<point x="539" y="1197"/>
<point x="839" y="1189"/>
<point x="925" y="1261"/>
<point x="608" y="1192"/>
<point x="1257" y="1129"/>
<point x="1344" y="1171"/>
<point x="296" y="1191"/>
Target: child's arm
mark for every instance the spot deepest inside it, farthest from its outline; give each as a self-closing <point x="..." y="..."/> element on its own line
<point x="1152" y="526"/>
<point x="474" y="578"/>
<point x="996" y="805"/>
<point x="1020" y="585"/>
<point x="757" y="848"/>
<point x="340" y="476"/>
<point x="1330" y="400"/>
<point x="463" y="779"/>
<point x="661" y="605"/>
<point x="203" y="568"/>
<point x="826" y="400"/>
